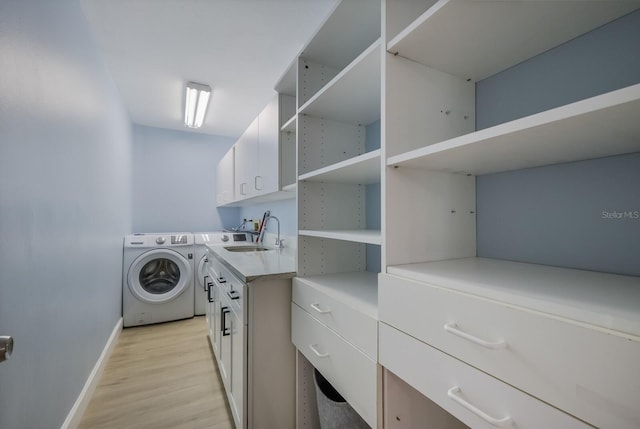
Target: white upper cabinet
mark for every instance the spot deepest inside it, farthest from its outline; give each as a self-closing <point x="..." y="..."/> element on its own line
<point x="267" y="177"/>
<point x="246" y="162"/>
<point x="225" y="178"/>
<point x="258" y="167"/>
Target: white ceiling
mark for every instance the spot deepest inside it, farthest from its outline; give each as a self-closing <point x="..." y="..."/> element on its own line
<point x="240" y="48"/>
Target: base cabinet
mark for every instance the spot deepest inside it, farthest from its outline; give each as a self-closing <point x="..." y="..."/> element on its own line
<point x="212" y="311"/>
<point x="236" y="356"/>
<point x="255" y="357"/>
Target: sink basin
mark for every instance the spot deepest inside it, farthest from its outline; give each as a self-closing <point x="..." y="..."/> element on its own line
<point x="246" y="248"/>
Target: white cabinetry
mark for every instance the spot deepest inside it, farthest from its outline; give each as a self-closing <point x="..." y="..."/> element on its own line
<point x="267" y="178"/>
<point x="478" y="400"/>
<point x="339" y="173"/>
<point x="252" y="345"/>
<point x="335" y="328"/>
<point x="212" y="309"/>
<point x="246" y="162"/>
<point x="495" y="343"/>
<point x="257" y="155"/>
<point x="261" y="162"/>
<point x="225" y="182"/>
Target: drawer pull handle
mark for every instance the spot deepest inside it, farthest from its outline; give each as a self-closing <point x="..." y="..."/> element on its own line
<point x="317" y="308"/>
<point x="314" y="349"/>
<point x="501" y="423"/>
<point x="453" y="329"/>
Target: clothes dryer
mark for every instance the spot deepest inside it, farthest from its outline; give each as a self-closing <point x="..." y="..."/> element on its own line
<point x="157" y="278"/>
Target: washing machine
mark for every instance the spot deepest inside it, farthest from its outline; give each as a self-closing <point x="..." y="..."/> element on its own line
<point x="157" y="278"/>
<point x="201" y="239"/>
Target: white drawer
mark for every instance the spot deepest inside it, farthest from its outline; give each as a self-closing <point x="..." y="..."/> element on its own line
<point x="448" y="382"/>
<point x="355" y="326"/>
<point x="587" y="372"/>
<point x="350" y="371"/>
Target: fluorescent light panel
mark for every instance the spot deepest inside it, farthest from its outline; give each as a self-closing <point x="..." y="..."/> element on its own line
<point x="196" y="102"/>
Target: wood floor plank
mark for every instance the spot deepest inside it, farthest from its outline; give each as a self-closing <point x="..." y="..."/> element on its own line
<point x="160" y="376"/>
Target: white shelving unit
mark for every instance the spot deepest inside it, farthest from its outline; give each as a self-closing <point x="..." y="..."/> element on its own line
<point x="339" y="82"/>
<point x="568" y="133"/>
<point x="432" y="153"/>
<point x="339" y="98"/>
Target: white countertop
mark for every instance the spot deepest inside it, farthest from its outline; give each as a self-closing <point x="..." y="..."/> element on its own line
<point x="250" y="266"/>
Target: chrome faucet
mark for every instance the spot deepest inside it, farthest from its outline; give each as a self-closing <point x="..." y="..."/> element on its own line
<point x="279" y="241"/>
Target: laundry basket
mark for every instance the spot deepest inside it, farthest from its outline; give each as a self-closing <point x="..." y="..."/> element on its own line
<point x="334" y="411"/>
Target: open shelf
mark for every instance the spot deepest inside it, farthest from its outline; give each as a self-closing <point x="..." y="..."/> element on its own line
<point x="290" y="125"/>
<point x="353" y="95"/>
<point x="363" y="169"/>
<point x="607" y="301"/>
<point x="348" y="30"/>
<point x="600" y="126"/>
<point x="358" y="289"/>
<point x="290" y="188"/>
<point x="367" y="236"/>
<point x="453" y="36"/>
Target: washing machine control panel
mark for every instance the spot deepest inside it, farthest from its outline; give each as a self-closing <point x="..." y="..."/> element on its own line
<point x="157" y="240"/>
<point x="178" y="239"/>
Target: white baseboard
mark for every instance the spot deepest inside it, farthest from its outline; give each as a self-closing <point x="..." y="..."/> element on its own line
<point x="75" y="415"/>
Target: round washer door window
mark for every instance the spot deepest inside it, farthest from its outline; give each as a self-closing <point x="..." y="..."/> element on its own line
<point x="159" y="276"/>
<point x="202" y="272"/>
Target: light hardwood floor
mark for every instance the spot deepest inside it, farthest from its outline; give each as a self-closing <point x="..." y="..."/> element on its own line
<point x="160" y="376"/>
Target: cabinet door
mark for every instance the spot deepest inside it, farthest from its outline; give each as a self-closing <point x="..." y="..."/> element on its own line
<point x="267" y="177"/>
<point x="225" y="178"/>
<point x="238" y="378"/>
<point x="214" y="321"/>
<point x="246" y="162"/>
<point x="224" y="357"/>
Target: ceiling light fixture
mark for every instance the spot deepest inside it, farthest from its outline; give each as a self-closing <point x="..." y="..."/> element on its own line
<point x="196" y="103"/>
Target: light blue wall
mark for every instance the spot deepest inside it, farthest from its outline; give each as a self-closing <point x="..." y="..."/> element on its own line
<point x="65" y="204"/>
<point x="602" y="60"/>
<point x="174" y="181"/>
<point x="372" y="136"/>
<point x="554" y="215"/>
<point x="284" y="210"/>
<point x="557" y="215"/>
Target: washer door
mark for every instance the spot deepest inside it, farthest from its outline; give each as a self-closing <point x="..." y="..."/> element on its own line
<point x="159" y="276"/>
<point x="201" y="271"/>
